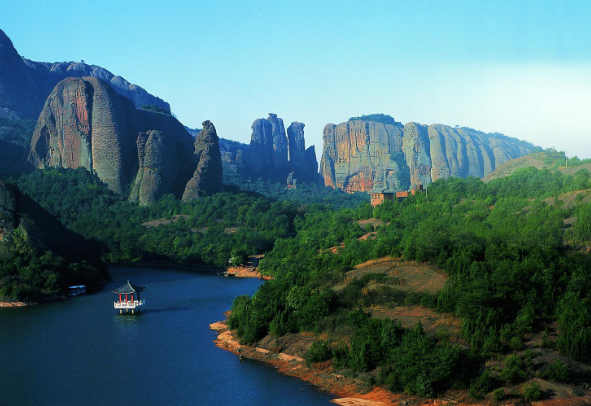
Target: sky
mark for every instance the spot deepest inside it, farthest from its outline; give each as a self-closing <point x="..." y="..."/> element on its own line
<point x="522" y="68"/>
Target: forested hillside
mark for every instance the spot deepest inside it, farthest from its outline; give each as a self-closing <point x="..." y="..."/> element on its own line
<point x="516" y="281"/>
<point x="202" y="233"/>
<point x="477" y="286"/>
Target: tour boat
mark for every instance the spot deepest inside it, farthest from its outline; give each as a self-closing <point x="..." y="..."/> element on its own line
<point x="76" y="290"/>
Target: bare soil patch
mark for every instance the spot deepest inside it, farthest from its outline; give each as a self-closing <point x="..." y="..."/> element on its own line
<point x="249" y="270"/>
<point x="412" y="276"/>
<point x="409" y="316"/>
<point x="373" y="221"/>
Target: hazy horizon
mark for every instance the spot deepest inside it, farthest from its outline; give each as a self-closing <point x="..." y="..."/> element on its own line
<point x="518" y="69"/>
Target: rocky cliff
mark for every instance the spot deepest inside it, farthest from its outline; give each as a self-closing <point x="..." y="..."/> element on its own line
<point x="273" y="154"/>
<point x="296" y="145"/>
<point x="262" y="150"/>
<point x="85" y="123"/>
<point x="208" y="177"/>
<point x="155" y="175"/>
<point x="24" y="84"/>
<point x="361" y="155"/>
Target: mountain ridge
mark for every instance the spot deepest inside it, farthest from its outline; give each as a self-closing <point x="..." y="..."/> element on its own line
<point x="361" y="155"/>
<point x="26" y="84"/>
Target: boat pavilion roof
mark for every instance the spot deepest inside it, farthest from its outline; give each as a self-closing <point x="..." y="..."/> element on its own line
<point x="129" y="288"/>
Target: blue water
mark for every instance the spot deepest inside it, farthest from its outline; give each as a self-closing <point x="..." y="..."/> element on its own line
<point x="82" y="352"/>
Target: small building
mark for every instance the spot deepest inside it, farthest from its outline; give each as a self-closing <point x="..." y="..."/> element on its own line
<point x="379" y="197"/>
<point x="416" y="189"/>
<point x="132" y="300"/>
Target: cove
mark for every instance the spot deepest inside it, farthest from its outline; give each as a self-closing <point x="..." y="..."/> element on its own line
<point x="81" y="351"/>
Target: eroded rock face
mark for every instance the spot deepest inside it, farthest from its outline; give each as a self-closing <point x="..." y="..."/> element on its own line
<point x="416" y="147"/>
<point x="311" y="164"/>
<point x="85" y="123"/>
<point x="296" y="145"/>
<point x="280" y="147"/>
<point x="156" y="159"/>
<point x="274" y="155"/>
<point x="365" y="155"/>
<point x="24" y="84"/>
<point x="67" y="109"/>
<point x="358" y="154"/>
<point x="262" y="151"/>
<point x="208" y="177"/>
<point x="113" y="157"/>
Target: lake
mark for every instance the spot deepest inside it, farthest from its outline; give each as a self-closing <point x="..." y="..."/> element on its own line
<point x="82" y="352"/>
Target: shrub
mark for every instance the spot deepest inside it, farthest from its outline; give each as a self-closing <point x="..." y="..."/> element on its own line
<point x="319" y="351"/>
<point x="499" y="394"/>
<point x="532" y="392"/>
<point x="556" y="371"/>
<point x="515" y="369"/>
<point x="516" y="343"/>
<point x="482" y="385"/>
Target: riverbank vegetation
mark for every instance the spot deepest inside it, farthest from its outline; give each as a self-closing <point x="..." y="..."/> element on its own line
<point x="510" y="251"/>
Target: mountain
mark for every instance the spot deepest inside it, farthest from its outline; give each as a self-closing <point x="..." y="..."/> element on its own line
<point x="376" y="152"/>
<point x="25" y="84"/>
<point x="85" y="123"/>
<point x="27" y="232"/>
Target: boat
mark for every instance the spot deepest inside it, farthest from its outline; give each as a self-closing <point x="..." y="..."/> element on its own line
<point x="76" y="290"/>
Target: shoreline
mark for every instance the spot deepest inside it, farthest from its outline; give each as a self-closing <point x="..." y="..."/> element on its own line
<point x="17" y="304"/>
<point x="349" y="391"/>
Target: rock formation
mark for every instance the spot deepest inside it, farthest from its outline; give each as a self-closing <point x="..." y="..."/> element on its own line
<point x="357" y="153"/>
<point x="234" y="157"/>
<point x="85" y="123"/>
<point x="24" y="84"/>
<point x="208" y="177"/>
<point x="273" y="155"/>
<point x="311" y="165"/>
<point x="296" y="146"/>
<point x="280" y="148"/>
<point x="262" y="151"/>
<point x="361" y="155"/>
<point x="155" y="176"/>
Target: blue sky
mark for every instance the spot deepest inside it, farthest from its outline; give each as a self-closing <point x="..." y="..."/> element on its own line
<point x="522" y="68"/>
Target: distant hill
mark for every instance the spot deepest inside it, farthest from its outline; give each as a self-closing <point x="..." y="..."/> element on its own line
<point x="550" y="160"/>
